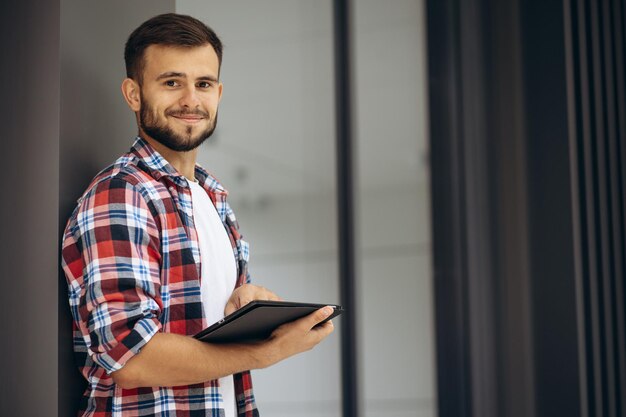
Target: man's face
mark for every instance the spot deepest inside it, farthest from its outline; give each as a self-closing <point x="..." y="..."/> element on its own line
<point x="180" y="93"/>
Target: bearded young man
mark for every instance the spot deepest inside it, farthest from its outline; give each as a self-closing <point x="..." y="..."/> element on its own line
<point x="153" y="254"/>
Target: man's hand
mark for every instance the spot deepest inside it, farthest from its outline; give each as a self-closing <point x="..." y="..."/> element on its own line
<point x="299" y="336"/>
<point x="247" y="293"/>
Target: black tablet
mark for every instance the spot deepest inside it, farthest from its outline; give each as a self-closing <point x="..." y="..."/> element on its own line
<point x="257" y="320"/>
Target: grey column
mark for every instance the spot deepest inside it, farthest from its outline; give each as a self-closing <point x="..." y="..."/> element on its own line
<point x="29" y="115"/>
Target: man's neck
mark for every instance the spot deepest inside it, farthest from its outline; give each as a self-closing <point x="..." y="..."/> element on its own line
<point x="183" y="162"/>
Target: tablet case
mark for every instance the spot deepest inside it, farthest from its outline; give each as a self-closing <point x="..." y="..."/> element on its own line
<point x="257" y="320"/>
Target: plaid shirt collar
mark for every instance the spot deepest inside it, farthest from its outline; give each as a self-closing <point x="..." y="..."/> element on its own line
<point x="159" y="167"/>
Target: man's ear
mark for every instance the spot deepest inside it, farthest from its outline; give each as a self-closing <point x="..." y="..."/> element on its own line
<point x="220" y="88"/>
<point x="132" y="94"/>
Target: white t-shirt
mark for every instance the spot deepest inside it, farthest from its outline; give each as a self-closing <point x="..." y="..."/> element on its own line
<point x="218" y="273"/>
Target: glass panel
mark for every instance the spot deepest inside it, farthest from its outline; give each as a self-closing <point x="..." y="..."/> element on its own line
<point x="274" y="150"/>
<point x="393" y="200"/>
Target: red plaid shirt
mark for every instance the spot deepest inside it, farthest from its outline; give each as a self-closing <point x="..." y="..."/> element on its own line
<point x="132" y="262"/>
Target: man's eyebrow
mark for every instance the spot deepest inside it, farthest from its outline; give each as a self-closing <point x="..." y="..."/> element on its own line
<point x="207" y="78"/>
<point x="173" y="74"/>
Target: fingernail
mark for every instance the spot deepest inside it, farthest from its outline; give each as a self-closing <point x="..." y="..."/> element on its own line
<point x="328" y="311"/>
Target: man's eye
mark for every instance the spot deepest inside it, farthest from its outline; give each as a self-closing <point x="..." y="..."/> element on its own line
<point x="204" y="84"/>
<point x="171" y="83"/>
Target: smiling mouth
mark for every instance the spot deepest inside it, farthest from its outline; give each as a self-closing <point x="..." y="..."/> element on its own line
<point x="189" y="118"/>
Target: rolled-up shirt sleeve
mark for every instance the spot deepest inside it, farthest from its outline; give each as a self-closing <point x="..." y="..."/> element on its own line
<point x="111" y="258"/>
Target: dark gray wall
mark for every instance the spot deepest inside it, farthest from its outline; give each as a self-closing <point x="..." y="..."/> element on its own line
<point x="29" y="116"/>
<point x="96" y="125"/>
<point x="528" y="115"/>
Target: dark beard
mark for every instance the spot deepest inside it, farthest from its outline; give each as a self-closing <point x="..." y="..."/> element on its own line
<point x="166" y="136"/>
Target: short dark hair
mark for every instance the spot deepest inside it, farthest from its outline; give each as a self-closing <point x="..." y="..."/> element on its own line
<point x="169" y="29"/>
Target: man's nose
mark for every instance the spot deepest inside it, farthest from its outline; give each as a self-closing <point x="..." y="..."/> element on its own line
<point x="189" y="98"/>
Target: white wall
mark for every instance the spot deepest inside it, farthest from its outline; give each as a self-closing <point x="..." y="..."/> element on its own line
<point x="395" y="297"/>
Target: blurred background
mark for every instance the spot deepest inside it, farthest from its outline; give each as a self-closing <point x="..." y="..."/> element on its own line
<point x="451" y="171"/>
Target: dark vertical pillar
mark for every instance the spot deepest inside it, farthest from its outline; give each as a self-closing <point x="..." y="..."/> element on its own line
<point x="480" y="219"/>
<point x="29" y="149"/>
<point x="345" y="198"/>
<point x="552" y="255"/>
<point x="595" y="39"/>
<point x="452" y="338"/>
